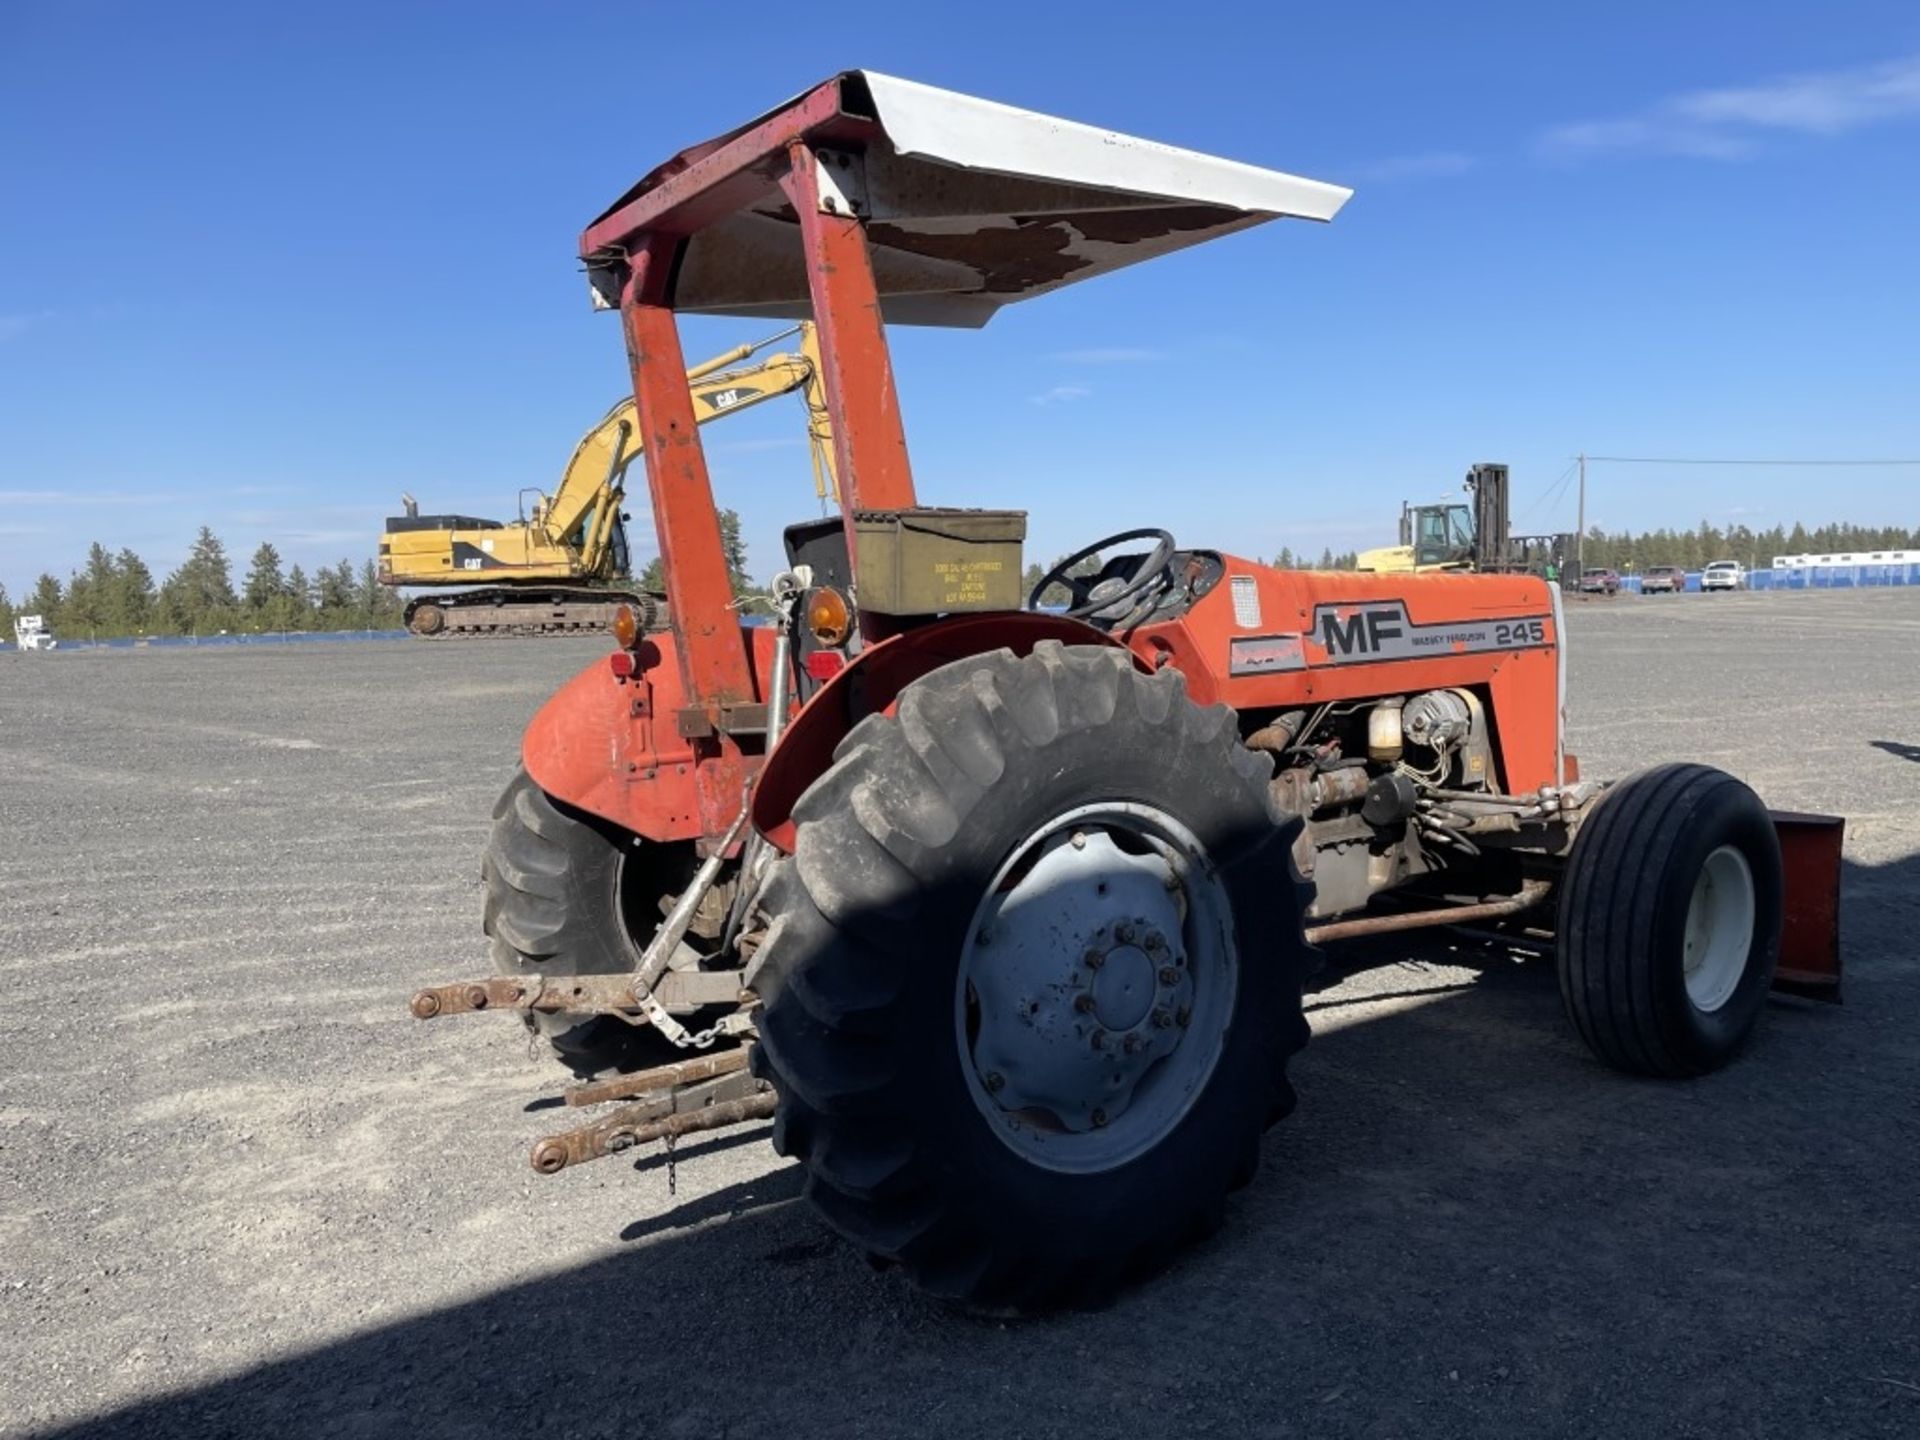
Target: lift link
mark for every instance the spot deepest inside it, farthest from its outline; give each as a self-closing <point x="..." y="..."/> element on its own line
<point x="623" y="995"/>
<point x="728" y="1099"/>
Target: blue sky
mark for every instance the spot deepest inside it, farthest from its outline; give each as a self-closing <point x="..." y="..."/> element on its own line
<point x="264" y="267"/>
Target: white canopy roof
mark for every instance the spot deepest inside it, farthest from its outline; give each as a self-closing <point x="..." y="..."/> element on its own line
<point x="971" y="205"/>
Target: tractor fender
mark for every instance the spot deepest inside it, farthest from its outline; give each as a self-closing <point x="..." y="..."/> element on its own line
<point x="870" y="684"/>
<point x="610" y="745"/>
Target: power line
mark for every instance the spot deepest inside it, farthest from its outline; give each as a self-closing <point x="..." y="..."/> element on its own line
<point x="1552" y="492"/>
<point x="1669" y="460"/>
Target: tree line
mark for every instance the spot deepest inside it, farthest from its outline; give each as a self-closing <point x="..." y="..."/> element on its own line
<point x="1755" y="549"/>
<point x="115" y="596"/>
<point x="1625" y="550"/>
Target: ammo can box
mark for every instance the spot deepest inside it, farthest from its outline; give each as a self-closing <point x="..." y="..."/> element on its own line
<point x="938" y="562"/>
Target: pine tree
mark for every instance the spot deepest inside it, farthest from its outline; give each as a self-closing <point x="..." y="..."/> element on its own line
<point x="90" y="594"/>
<point x="381" y="602"/>
<point x="47" y="600"/>
<point x="1285" y="560"/>
<point x="131" y="609"/>
<point x="199" y="595"/>
<point x="334" y="592"/>
<point x="265" y="583"/>
<point x="735" y="551"/>
<point x="7" y="612"/>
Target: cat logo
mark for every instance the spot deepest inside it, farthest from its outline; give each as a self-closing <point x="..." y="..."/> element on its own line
<point x="719" y="400"/>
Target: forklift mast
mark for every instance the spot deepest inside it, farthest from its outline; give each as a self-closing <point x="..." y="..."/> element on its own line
<point x="1488" y="485"/>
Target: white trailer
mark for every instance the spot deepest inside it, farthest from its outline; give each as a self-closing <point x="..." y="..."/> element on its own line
<point x="31" y="632"/>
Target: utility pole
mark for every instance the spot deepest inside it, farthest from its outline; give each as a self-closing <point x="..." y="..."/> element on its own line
<point x="1580" y="540"/>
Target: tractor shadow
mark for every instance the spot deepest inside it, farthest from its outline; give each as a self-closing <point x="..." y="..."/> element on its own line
<point x="1468" y="1226"/>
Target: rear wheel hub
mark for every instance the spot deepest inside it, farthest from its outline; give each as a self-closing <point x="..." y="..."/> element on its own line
<point x="1095" y="986"/>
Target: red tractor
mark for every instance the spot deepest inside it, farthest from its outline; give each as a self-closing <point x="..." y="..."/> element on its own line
<point x="1001" y="913"/>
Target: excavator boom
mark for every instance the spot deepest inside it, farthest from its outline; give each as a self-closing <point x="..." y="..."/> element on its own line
<point x="558" y="567"/>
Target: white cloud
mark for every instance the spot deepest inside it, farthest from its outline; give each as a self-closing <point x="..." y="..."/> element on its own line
<point x="1828" y="103"/>
<point x="1730" y="123"/>
<point x="1425" y="165"/>
<point x="1108" y="355"/>
<point x="1062" y="394"/>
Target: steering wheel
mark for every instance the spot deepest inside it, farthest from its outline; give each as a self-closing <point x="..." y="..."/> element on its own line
<point x="1080" y="588"/>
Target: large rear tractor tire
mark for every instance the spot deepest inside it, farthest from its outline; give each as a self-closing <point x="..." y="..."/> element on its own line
<point x="1033" y="976"/>
<point x="567" y="896"/>
<point x="1670" y="921"/>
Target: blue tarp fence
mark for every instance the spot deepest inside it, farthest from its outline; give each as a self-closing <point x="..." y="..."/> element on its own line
<point x="1810" y="577"/>
<point x="181" y="642"/>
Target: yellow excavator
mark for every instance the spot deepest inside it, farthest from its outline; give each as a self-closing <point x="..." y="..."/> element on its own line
<point x="564" y="565"/>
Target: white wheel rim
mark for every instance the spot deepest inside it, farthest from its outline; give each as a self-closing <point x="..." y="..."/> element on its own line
<point x="1719" y="935"/>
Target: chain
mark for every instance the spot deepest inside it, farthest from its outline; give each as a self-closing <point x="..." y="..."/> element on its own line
<point x="655" y="1014"/>
<point x="697" y="1040"/>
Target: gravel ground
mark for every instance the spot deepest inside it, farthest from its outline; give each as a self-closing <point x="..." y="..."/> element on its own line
<point x="242" y="1193"/>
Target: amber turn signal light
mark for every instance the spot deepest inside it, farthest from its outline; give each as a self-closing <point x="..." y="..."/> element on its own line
<point x="626" y="627"/>
<point x="828" y="619"/>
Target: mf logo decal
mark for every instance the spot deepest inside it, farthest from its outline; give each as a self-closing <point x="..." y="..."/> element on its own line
<point x="1380" y="630"/>
<point x="1369" y="631"/>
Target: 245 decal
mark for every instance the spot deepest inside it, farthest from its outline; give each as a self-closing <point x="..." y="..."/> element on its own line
<point x="1520" y="633"/>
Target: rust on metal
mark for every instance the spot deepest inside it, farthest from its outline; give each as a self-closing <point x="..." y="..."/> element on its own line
<point x="578" y="994"/>
<point x="639" y="1124"/>
<point x="1530" y="895"/>
<point x="706" y="183"/>
<point x="586" y="994"/>
<point x="1810" y="848"/>
<point x="662" y="1077"/>
<point x="698" y="590"/>
<point x="869" y="440"/>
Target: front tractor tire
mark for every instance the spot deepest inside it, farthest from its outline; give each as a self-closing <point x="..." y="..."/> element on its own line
<point x="1033" y="976"/>
<point x="1670" y="921"/>
<point x="564" y="896"/>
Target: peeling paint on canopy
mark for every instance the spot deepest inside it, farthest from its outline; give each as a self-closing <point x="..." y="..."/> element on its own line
<point x="969" y="204"/>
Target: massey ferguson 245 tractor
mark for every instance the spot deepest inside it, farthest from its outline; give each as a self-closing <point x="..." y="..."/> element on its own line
<point x="1003" y="915"/>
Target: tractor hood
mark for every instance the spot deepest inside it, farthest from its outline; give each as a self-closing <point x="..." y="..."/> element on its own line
<point x="969" y="205"/>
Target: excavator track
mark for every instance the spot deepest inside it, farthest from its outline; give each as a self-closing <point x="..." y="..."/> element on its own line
<point x="496" y="611"/>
